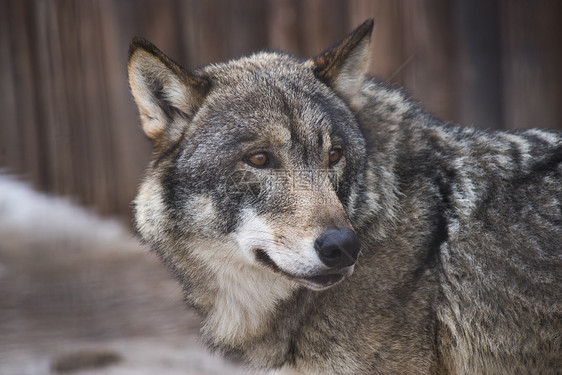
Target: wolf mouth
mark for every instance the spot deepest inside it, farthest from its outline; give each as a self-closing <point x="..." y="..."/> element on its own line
<point x="324" y="280"/>
<point x="316" y="281"/>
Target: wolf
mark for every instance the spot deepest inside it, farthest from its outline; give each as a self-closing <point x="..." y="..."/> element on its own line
<point x="322" y="222"/>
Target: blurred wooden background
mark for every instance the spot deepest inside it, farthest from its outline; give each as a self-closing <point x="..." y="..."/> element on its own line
<point x="69" y="125"/>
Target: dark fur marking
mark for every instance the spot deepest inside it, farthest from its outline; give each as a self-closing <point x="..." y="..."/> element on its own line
<point x="539" y="169"/>
<point x="174" y="195"/>
<point x="292" y="352"/>
<point x="320" y="140"/>
<point x="515" y="155"/>
<point x="173" y="149"/>
<point x="548" y="165"/>
<point x="169" y="110"/>
<point x="442" y="210"/>
<point x="440" y="221"/>
<point x="534" y="139"/>
<point x="440" y="229"/>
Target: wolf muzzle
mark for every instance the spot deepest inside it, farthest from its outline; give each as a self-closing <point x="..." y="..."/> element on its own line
<point x="338" y="248"/>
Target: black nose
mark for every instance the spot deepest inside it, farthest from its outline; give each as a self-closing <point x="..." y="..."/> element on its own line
<point x="337" y="248"/>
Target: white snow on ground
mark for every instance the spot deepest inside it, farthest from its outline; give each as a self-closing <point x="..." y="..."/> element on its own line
<point x="25" y="211"/>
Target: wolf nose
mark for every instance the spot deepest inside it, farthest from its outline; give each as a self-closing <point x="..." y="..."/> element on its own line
<point x="337" y="248"/>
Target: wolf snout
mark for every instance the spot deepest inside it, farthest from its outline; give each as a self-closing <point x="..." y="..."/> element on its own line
<point x="338" y="247"/>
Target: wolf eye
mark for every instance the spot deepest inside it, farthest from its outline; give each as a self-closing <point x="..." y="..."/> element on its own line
<point x="334" y="155"/>
<point x="257" y="160"/>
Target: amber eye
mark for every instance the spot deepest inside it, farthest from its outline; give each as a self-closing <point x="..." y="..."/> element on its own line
<point x="334" y="155"/>
<point x="257" y="160"/>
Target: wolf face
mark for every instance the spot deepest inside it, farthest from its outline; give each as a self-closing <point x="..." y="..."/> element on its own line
<point x="255" y="158"/>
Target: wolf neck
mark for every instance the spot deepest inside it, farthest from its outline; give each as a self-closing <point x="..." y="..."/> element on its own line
<point x="384" y="119"/>
<point x="244" y="302"/>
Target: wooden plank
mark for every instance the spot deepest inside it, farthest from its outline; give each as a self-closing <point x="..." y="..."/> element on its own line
<point x="131" y="149"/>
<point x="11" y="148"/>
<point x="430" y="46"/>
<point x="322" y="24"/>
<point x="387" y="59"/>
<point x="246" y="31"/>
<point x="531" y="64"/>
<point x="283" y="26"/>
<point x="21" y="25"/>
<point x="479" y="60"/>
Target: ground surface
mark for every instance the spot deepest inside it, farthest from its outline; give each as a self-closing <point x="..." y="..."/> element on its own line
<point x="78" y="295"/>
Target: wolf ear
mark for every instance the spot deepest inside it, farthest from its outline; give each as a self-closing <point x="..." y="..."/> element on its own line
<point x="163" y="91"/>
<point x="344" y="66"/>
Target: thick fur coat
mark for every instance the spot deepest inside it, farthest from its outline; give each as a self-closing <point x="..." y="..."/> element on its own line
<point x="460" y="263"/>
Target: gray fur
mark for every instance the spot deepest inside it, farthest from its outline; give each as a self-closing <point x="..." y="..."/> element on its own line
<point x="460" y="268"/>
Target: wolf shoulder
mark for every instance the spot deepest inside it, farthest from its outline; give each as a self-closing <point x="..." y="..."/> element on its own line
<point x="501" y="264"/>
<point x="500" y="192"/>
<point x="487" y="176"/>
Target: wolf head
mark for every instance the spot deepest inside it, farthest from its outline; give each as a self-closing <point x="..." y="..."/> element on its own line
<point x="258" y="163"/>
